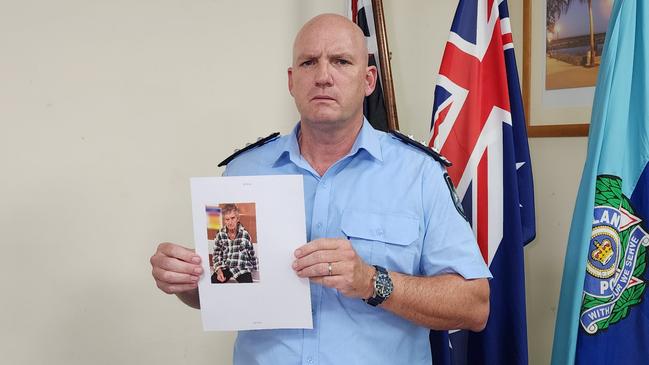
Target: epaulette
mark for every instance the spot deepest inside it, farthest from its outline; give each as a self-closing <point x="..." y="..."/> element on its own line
<point x="430" y="151"/>
<point x="249" y="146"/>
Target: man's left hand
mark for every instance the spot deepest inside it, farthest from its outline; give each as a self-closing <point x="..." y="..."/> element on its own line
<point x="333" y="263"/>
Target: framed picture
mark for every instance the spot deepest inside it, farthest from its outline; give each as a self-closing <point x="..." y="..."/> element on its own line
<point x="563" y="42"/>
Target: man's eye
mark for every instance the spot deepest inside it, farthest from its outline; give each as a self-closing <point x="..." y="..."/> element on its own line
<point x="308" y="63"/>
<point x="342" y="61"/>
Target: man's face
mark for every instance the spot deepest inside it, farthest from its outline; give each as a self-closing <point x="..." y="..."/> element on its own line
<point x="330" y="77"/>
<point x="231" y="219"/>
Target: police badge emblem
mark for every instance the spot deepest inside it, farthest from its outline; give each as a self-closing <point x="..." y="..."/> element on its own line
<point x="616" y="258"/>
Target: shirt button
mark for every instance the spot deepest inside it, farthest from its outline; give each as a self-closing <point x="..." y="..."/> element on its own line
<point x="324" y="185"/>
<point x="319" y="225"/>
<point x="309" y="360"/>
<point x="379" y="232"/>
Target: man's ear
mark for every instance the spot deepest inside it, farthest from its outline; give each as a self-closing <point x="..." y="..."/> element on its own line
<point x="371" y="75"/>
<point x="290" y="80"/>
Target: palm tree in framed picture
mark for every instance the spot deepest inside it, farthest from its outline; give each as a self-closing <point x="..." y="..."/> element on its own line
<point x="554" y="10"/>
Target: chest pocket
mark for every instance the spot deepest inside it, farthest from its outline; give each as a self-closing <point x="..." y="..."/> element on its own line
<point x="384" y="239"/>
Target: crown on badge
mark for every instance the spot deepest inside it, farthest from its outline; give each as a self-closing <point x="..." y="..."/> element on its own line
<point x="603" y="253"/>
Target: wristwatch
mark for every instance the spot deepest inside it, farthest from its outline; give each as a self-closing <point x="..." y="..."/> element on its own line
<point x="382" y="287"/>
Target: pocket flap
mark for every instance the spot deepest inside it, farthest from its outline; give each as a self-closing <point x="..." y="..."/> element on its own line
<point x="390" y="228"/>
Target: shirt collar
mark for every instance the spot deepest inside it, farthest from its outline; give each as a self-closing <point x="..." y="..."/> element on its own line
<point x="368" y="139"/>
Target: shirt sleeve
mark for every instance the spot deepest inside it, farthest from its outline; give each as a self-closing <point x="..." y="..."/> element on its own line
<point x="247" y="242"/>
<point x="218" y="252"/>
<point x="449" y="243"/>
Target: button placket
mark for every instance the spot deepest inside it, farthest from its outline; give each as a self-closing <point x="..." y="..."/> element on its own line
<point x="319" y="219"/>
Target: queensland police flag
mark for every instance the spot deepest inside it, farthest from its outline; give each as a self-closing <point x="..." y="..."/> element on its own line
<point x="478" y="123"/>
<point x="603" y="313"/>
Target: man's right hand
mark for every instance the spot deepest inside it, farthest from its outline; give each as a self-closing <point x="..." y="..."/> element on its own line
<point x="176" y="269"/>
<point x="219" y="275"/>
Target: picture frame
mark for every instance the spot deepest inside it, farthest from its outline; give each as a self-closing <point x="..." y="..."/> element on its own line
<point x="557" y="95"/>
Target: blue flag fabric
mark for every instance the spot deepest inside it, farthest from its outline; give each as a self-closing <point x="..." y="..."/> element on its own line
<point x="603" y="315"/>
<point x="478" y="122"/>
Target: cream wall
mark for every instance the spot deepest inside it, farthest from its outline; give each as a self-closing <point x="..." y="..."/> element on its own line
<point x="106" y="110"/>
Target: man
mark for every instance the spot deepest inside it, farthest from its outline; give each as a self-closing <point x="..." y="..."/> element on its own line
<point x="389" y="255"/>
<point x="234" y="255"/>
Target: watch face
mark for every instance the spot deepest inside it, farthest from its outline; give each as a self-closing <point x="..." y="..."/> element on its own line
<point x="382" y="290"/>
<point x="383" y="285"/>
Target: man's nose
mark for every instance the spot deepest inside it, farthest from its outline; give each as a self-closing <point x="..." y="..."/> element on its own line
<point x="323" y="75"/>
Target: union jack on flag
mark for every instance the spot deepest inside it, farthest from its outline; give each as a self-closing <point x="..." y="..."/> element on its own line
<point x="478" y="123"/>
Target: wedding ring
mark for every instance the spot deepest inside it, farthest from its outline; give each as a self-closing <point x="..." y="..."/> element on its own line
<point x="330" y="269"/>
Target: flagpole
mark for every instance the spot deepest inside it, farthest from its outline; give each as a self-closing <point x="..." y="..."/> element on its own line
<point x="384" y="60"/>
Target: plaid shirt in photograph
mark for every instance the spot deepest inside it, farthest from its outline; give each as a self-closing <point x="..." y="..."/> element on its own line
<point x="237" y="255"/>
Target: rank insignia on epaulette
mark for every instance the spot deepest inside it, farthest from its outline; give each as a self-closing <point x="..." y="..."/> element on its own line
<point x="420" y="146"/>
<point x="249" y="146"/>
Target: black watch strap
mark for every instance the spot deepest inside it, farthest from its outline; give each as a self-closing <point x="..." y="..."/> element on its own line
<point x="374" y="301"/>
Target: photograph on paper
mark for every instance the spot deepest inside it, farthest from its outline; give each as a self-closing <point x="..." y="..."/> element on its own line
<point x="232" y="238"/>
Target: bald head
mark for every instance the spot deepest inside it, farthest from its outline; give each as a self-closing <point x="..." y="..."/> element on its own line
<point x="324" y="26"/>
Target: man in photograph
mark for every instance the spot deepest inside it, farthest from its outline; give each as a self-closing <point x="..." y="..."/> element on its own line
<point x="390" y="254"/>
<point x="234" y="255"/>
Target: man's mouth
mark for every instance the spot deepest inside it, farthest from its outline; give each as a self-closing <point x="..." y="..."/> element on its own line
<point x="323" y="98"/>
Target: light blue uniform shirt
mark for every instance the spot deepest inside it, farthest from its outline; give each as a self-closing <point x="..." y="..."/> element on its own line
<point x="391" y="201"/>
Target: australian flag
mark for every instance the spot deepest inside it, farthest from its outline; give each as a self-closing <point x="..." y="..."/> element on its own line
<point x="478" y="123"/>
<point x="361" y="13"/>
